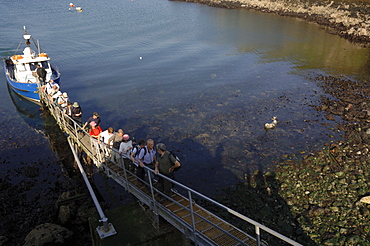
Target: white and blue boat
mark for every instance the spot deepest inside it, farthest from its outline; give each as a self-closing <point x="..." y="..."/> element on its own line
<point x="20" y="70"/>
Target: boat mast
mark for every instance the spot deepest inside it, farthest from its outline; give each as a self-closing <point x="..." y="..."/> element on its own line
<point x="26" y="36"/>
<point x="38" y="46"/>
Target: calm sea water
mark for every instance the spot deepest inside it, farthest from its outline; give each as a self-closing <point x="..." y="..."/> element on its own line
<point x="202" y="80"/>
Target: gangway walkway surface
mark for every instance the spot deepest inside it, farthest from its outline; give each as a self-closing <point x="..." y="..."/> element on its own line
<point x="179" y="209"/>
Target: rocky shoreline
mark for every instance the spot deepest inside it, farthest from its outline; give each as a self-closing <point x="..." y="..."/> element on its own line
<point x="317" y="201"/>
<point x="348" y="19"/>
<point x="56" y="215"/>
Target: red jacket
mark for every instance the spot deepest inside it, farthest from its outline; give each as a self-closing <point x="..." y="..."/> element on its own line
<point x="95" y="132"/>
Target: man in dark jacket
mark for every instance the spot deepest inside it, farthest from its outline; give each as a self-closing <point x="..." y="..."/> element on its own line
<point x="77" y="113"/>
<point x="41" y="73"/>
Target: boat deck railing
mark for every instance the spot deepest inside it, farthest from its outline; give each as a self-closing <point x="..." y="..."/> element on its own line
<point x="180" y="209"/>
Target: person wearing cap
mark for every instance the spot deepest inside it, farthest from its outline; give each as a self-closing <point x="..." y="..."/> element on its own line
<point x="63" y="100"/>
<point x="124" y="150"/>
<point x="95" y="117"/>
<point x="165" y="165"/>
<point x="77" y="113"/>
<point x="94" y="130"/>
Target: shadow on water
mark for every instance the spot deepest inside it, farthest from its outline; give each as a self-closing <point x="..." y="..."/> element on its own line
<point x="36" y="177"/>
<point x="109" y="193"/>
<point x="43" y="123"/>
<point x="258" y="198"/>
<point x="201" y="169"/>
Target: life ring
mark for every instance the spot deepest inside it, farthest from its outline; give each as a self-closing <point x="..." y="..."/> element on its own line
<point x="43" y="55"/>
<point x="17" y="57"/>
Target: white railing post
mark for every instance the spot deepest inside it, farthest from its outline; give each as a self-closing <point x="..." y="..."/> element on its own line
<point x="258" y="235"/>
<point x="192" y="217"/>
<point x="124" y="169"/>
<point x="107" y="229"/>
<point x="150" y="183"/>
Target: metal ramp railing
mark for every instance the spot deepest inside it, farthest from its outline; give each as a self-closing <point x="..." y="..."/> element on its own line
<point x="180" y="209"/>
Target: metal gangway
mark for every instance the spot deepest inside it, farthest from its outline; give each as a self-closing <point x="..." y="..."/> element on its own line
<point x="179" y="209"/>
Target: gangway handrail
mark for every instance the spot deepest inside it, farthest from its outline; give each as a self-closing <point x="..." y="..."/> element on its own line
<point x="257" y="225"/>
<point x="231" y="211"/>
<point x="235" y="213"/>
<point x="66" y="123"/>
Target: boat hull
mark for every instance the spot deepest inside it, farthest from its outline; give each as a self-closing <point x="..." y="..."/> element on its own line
<point x="28" y="90"/>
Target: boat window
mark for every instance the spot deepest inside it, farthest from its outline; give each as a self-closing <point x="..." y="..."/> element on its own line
<point x="21" y="67"/>
<point x="33" y="66"/>
<point x="45" y="64"/>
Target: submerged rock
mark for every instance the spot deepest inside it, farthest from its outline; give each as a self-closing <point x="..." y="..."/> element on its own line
<point x="3" y="240"/>
<point x="48" y="234"/>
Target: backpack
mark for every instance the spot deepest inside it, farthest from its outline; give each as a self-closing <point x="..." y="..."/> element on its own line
<point x="143" y="148"/>
<point x="115" y="143"/>
<point x="145" y="151"/>
<point x="137" y="148"/>
<point x="177" y="159"/>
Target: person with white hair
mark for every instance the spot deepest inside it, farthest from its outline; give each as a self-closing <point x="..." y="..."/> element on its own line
<point x="146" y="157"/>
<point x="51" y="88"/>
<point x="125" y="150"/>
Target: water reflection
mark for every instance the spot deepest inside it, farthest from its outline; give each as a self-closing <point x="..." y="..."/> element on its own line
<point x="277" y="38"/>
<point x="29" y="111"/>
<point x="209" y="79"/>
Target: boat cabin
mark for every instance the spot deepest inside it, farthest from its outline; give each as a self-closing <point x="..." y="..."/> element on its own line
<point x="25" y="66"/>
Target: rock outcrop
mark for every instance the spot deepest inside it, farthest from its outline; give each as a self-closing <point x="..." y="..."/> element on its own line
<point x="48" y="234"/>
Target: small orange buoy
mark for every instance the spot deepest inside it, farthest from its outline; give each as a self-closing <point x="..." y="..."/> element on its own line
<point x="71" y="5"/>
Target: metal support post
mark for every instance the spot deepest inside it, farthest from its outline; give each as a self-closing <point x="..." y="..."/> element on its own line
<point x="155" y="206"/>
<point x="258" y="235"/>
<point x="107" y="229"/>
<point x="192" y="217"/>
